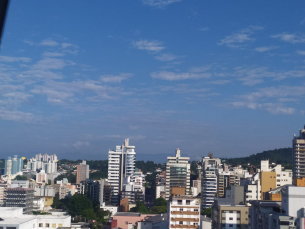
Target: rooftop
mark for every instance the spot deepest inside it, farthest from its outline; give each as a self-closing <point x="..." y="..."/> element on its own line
<point x="133" y="214"/>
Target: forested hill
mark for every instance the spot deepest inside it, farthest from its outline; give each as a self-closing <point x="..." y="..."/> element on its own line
<point x="279" y="156"/>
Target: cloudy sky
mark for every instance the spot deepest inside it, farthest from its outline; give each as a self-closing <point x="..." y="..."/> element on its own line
<point x="77" y="77"/>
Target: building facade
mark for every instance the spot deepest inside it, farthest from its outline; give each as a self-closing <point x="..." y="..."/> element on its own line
<point x="82" y="173"/>
<point x="209" y="181"/>
<point x="20" y="197"/>
<point x="298" y="155"/>
<point x="183" y="212"/>
<point x="177" y="173"/>
<point x="121" y="164"/>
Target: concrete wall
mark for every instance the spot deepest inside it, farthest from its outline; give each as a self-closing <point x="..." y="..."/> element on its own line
<point x="268" y="182"/>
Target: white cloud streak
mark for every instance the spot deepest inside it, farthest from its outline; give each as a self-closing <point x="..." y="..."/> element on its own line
<point x="152" y="46"/>
<point x="159" y="3"/>
<point x="290" y="37"/>
<point x="238" y="39"/>
<point x="49" y="42"/>
<point x="265" y="48"/>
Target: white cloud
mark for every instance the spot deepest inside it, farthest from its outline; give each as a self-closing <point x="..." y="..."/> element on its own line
<point x="159" y="3"/>
<point x="200" y="69"/>
<point x="254" y="75"/>
<point x="171" y="76"/>
<point x="265" y="48"/>
<point x="53" y="96"/>
<point x="166" y="57"/>
<point x="49" y="42"/>
<point x="153" y="46"/>
<point x="49" y="63"/>
<point x="14" y="59"/>
<point x="204" y="29"/>
<point x="272" y="108"/>
<point x="272" y="99"/>
<point x="17" y="96"/>
<point x="291" y="38"/>
<point x="6" y="88"/>
<point x="53" y="54"/>
<point x="80" y="144"/>
<point x="28" y="42"/>
<point x="220" y="82"/>
<point x="115" y="79"/>
<point x="237" y="39"/>
<point x="17" y="116"/>
<point x="300" y="52"/>
<point x="66" y="45"/>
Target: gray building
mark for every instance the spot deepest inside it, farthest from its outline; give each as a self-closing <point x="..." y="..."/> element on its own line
<point x="20" y="197"/>
<point x="298" y="155"/>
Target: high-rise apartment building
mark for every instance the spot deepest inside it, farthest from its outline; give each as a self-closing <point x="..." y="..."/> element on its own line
<point x="121" y="164"/>
<point x="13" y="165"/>
<point x="45" y="162"/>
<point x="177" y="173"/>
<point x="82" y="173"/>
<point x="298" y="155"/>
<point x="209" y="187"/>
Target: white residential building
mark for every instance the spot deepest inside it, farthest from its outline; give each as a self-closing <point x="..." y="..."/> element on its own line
<point x="298" y="155"/>
<point x="121" y="164"/>
<point x="13" y="217"/>
<point x="183" y="212"/>
<point x="209" y="180"/>
<point x="45" y="162"/>
<point x="160" y="191"/>
<point x="177" y="173"/>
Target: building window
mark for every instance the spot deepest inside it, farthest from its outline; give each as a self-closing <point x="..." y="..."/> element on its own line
<point x="195" y="209"/>
<point x="223" y="218"/>
<point x="59" y="225"/>
<point x="230" y="225"/>
<point x="181" y="222"/>
<point x="47" y="225"/>
<point x="188" y="202"/>
<point x="231" y="218"/>
<point x="181" y="209"/>
<point x="53" y="225"/>
<point x="40" y="225"/>
<point x="230" y="211"/>
<point x="179" y="202"/>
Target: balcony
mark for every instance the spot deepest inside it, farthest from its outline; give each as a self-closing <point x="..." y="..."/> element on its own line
<point x="183" y="226"/>
<point x="184" y="213"/>
<point x="185" y="219"/>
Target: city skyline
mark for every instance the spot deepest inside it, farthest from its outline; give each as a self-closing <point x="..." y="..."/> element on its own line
<point x="78" y="78"/>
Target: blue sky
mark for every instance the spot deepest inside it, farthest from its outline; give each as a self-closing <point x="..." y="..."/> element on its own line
<point x="77" y="77"/>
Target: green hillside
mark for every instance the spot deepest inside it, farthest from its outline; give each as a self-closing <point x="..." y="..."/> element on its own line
<point x="2" y="161"/>
<point x="279" y="156"/>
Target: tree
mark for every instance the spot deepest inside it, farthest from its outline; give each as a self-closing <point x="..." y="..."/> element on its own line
<point x="158" y="209"/>
<point x="140" y="207"/>
<point x="160" y="202"/>
<point x="207" y="212"/>
<point x="77" y="204"/>
<point x="19" y="177"/>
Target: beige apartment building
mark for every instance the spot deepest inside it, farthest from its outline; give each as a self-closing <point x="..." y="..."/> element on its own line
<point x="183" y="212"/>
<point x="82" y="172"/>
